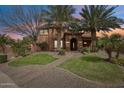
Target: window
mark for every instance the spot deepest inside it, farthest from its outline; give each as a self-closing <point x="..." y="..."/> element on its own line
<point x="85" y="42"/>
<point x="61" y="44"/>
<point x="55" y="44"/>
<point x="42" y="32"/>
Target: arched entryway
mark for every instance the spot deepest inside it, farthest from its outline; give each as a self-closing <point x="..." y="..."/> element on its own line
<point x="73" y="44"/>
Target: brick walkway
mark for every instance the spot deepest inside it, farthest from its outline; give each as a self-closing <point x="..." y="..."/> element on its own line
<point x="5" y="81"/>
<point x="48" y="76"/>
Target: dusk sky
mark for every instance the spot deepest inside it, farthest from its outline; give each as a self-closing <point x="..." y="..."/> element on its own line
<point x="119" y="11"/>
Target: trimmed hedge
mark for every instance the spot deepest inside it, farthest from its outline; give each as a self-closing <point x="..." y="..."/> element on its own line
<point x="3" y="58"/>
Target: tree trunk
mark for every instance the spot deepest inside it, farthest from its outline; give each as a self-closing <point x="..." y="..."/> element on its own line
<point x="117" y="54"/>
<point x="34" y="44"/>
<point x="34" y="47"/>
<point x="3" y="48"/>
<point x="93" y="40"/>
<point x="109" y="52"/>
<point x="59" y="40"/>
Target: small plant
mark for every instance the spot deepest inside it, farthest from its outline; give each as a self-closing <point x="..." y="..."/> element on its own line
<point x="119" y="61"/>
<point x="22" y="52"/>
<point x="61" y="52"/>
<point x="85" y="50"/>
<point x="3" y="58"/>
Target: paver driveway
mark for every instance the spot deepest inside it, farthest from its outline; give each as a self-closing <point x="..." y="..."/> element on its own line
<point x="48" y="76"/>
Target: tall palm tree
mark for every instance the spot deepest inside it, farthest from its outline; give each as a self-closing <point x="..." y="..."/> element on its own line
<point x="97" y="18"/>
<point x="75" y="27"/>
<point x="59" y="16"/>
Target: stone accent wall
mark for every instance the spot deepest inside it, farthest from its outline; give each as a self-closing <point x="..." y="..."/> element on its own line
<point x="66" y="38"/>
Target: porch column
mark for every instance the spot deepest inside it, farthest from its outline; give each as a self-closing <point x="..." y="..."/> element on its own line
<point x="50" y="38"/>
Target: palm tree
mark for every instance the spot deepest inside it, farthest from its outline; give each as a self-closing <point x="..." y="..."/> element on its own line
<point x="112" y="43"/>
<point x="59" y="16"/>
<point x="75" y="27"/>
<point x="118" y="43"/>
<point x="106" y="43"/>
<point x="97" y="18"/>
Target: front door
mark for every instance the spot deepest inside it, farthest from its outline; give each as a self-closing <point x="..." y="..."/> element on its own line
<point x="73" y="44"/>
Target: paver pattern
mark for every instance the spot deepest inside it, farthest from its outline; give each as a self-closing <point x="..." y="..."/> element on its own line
<point x="6" y="81"/>
<point x="48" y="76"/>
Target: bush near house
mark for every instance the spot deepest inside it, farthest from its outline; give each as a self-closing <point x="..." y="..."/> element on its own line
<point x="3" y="58"/>
<point x="20" y="47"/>
<point x="61" y="52"/>
<point x="22" y="52"/>
<point x="84" y="50"/>
<point x="43" y="46"/>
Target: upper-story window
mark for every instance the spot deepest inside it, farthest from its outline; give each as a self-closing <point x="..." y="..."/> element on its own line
<point x="43" y="32"/>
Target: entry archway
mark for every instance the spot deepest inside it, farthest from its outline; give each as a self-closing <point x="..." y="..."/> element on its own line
<point x="73" y="44"/>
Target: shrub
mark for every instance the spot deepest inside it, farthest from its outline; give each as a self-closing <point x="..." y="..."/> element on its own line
<point x="61" y="52"/>
<point x="20" y="47"/>
<point x="43" y="46"/>
<point x="110" y="44"/>
<point x="22" y="52"/>
<point x="3" y="58"/>
<point x="119" y="61"/>
<point x="84" y="49"/>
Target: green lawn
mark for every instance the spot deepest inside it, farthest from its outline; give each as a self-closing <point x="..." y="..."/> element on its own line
<point x="33" y="59"/>
<point x="95" y="68"/>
